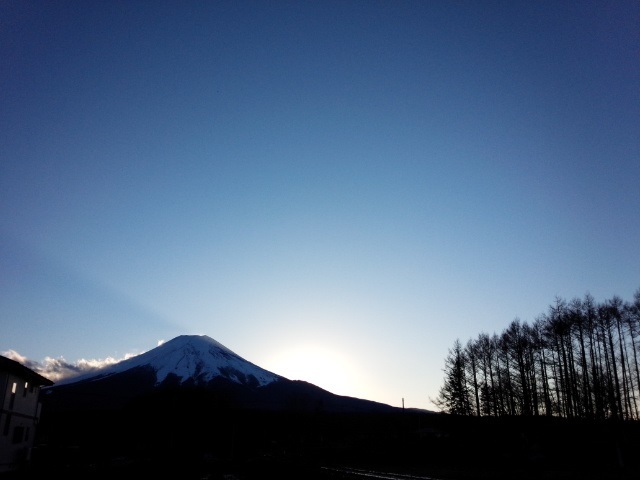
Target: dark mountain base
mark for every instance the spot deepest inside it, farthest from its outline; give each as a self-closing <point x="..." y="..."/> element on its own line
<point x="198" y="434"/>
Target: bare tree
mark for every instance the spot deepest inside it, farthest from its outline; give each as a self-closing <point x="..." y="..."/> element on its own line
<point x="579" y="359"/>
<point x="472" y="354"/>
<point x="454" y="395"/>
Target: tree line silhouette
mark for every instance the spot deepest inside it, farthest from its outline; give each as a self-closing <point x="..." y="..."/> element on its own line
<point x="580" y="359"/>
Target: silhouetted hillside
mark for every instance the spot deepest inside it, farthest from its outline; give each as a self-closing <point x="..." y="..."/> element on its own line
<point x="201" y="435"/>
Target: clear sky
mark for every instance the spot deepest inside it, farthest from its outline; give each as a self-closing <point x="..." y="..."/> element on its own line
<point x="336" y="191"/>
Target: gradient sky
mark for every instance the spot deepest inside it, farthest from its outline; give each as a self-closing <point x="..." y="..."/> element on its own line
<point x="336" y="191"/>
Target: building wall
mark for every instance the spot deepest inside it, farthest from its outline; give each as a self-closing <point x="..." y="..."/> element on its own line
<point x="19" y="414"/>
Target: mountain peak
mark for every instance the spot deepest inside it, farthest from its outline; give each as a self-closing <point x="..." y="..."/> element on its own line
<point x="198" y="342"/>
<point x="199" y="358"/>
<point x="202" y="362"/>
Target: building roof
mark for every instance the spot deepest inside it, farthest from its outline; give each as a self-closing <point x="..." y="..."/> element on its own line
<point x="11" y="366"/>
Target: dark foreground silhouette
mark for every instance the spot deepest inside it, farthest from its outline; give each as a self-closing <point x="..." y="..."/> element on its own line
<point x="196" y="435"/>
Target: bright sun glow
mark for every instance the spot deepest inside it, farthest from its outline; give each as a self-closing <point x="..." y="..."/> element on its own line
<point x="321" y="366"/>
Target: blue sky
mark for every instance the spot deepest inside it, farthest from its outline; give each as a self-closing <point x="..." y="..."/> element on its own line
<point x="334" y="190"/>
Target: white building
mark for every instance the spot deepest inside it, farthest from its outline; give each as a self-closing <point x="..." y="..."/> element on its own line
<point x="19" y="412"/>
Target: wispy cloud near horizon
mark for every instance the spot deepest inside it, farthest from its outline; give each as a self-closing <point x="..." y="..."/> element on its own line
<point x="57" y="369"/>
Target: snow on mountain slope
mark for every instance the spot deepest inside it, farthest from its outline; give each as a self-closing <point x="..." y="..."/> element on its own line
<point x="196" y="357"/>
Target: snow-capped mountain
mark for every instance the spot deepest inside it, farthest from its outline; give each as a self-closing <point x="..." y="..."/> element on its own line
<point x="192" y="402"/>
<point x="195" y="358"/>
<point x="190" y="363"/>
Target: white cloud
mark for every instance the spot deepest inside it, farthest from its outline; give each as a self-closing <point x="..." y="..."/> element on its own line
<point x="57" y="369"/>
<point x="13" y="355"/>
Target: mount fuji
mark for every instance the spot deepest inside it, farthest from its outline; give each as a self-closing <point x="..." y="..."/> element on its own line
<point x="194" y="359"/>
<point x="190" y="363"/>
<point x="191" y="405"/>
